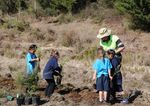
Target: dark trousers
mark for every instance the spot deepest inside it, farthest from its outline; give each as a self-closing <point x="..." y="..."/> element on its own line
<point x="50" y="87"/>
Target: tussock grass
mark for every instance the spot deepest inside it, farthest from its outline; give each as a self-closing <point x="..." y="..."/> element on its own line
<point x="14" y="23"/>
<point x="66" y="18"/>
<point x="2" y="93"/>
<point x="69" y="39"/>
<point x="146" y="78"/>
<point x="38" y="35"/>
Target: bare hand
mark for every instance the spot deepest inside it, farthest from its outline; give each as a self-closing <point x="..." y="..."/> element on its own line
<point x="94" y="78"/>
<point x="37" y="59"/>
<point x="110" y="77"/>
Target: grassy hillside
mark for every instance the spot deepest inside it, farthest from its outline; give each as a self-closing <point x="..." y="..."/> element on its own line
<point x="74" y="35"/>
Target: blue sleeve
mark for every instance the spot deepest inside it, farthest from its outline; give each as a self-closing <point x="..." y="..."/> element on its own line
<point x="109" y="64"/>
<point x="29" y="65"/>
<point x="28" y="58"/>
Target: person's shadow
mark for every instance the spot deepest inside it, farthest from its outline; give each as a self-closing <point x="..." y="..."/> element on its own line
<point x="129" y="99"/>
<point x="134" y="94"/>
<point x="43" y="102"/>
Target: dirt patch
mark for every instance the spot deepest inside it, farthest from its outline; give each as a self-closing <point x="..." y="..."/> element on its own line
<point x="7" y="83"/>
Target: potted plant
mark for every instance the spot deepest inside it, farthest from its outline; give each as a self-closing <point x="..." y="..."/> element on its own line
<point x="36" y="99"/>
<point x="28" y="99"/>
<point x="20" y="99"/>
<point x="30" y="84"/>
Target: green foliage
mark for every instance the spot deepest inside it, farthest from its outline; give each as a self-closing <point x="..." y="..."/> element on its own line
<point x="139" y="10"/>
<point x="2" y="93"/>
<point x="12" y="6"/>
<point x="106" y="3"/>
<point x="54" y="7"/>
<point x="8" y="6"/>
<point x="89" y="53"/>
<point x="29" y="82"/>
<point x="20" y="25"/>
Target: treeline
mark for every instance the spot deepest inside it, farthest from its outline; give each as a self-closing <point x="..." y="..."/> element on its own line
<point x="50" y="7"/>
<point x="138" y="11"/>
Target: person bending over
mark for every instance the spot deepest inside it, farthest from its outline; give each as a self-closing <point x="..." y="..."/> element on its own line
<point x="52" y="68"/>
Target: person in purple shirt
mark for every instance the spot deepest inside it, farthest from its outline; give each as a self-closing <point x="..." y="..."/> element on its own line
<point x="52" y="68"/>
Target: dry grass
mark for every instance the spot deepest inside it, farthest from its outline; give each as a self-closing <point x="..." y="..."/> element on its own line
<point x="65" y="18"/>
<point x="2" y="93"/>
<point x="79" y="37"/>
<point x="13" y="67"/>
<point x="36" y="35"/>
<point x="69" y="39"/>
<point x="12" y="50"/>
<point x="146" y="78"/>
<point x="14" y="23"/>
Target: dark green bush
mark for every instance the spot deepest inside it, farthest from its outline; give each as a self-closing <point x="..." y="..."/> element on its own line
<point x="54" y="7"/>
<point x="12" y="6"/>
<point x="139" y="10"/>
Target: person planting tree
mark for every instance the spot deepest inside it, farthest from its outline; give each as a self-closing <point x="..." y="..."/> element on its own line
<point x="51" y="69"/>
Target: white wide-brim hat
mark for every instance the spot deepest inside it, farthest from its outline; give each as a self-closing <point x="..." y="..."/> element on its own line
<point x="103" y="32"/>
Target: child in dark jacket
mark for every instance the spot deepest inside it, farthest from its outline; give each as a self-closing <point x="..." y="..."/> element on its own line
<point x="52" y="68"/>
<point x="116" y="73"/>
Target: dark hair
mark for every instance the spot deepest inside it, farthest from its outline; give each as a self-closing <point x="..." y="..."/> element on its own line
<point x="33" y="47"/>
<point x="111" y="51"/>
<point x="54" y="53"/>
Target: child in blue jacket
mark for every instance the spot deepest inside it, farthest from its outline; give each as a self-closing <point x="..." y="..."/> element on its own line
<point x="116" y="73"/>
<point x="102" y="74"/>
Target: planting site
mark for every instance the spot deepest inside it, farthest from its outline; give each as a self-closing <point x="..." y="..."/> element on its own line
<point x="74" y="36"/>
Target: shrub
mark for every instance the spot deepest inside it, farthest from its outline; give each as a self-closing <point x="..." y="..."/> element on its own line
<point x="30" y="82"/>
<point x="94" y="11"/>
<point x="2" y="93"/>
<point x="38" y="35"/>
<point x="54" y="7"/>
<point x="13" y="67"/>
<point x="89" y="54"/>
<point x="20" y="25"/>
<point x="69" y="39"/>
<point x="139" y="10"/>
<point x="12" y="6"/>
<point x="65" y="18"/>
